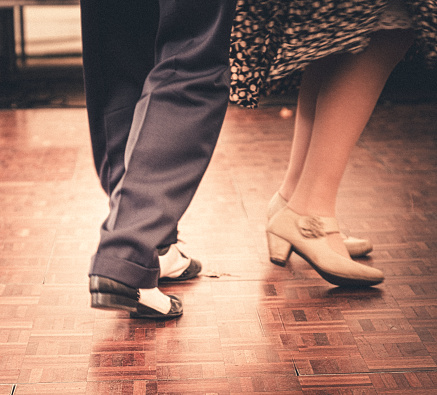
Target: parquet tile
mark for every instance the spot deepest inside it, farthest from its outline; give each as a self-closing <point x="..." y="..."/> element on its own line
<point x="248" y="326"/>
<point x="72" y="388"/>
<point x="405" y="383"/>
<point x="338" y="384"/>
<point x="121" y="387"/>
<point x="6" y="389"/>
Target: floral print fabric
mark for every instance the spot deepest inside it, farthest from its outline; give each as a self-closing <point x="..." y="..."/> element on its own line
<point x="272" y="40"/>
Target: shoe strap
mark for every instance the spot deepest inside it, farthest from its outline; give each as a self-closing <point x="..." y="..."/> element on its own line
<point x="315" y="226"/>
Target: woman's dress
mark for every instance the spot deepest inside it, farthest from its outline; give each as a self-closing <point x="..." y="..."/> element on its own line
<point x="273" y="40"/>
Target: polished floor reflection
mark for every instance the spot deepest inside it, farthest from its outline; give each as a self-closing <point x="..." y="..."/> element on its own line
<point x="248" y="326"/>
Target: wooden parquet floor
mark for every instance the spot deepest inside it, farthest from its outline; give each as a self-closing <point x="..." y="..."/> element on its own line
<point x="248" y="326"/>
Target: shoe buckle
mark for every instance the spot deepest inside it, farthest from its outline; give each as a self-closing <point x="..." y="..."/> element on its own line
<point x="311" y="227"/>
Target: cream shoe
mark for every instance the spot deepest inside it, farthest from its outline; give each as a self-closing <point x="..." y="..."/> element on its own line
<point x="306" y="235"/>
<point x="355" y="246"/>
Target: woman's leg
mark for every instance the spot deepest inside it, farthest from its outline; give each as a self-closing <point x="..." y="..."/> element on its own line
<point x="345" y="100"/>
<point x="303" y="126"/>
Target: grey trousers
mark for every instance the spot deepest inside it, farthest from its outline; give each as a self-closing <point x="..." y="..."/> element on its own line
<point x="157" y="86"/>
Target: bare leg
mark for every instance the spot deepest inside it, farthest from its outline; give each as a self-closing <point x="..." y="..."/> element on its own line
<point x="303" y="127"/>
<point x="345" y="100"/>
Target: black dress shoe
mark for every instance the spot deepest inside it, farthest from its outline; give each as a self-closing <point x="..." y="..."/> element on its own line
<point x="144" y="311"/>
<point x="111" y="295"/>
<point x="190" y="272"/>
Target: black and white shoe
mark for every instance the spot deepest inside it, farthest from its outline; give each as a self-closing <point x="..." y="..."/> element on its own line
<point x="176" y="266"/>
<point x="109" y="294"/>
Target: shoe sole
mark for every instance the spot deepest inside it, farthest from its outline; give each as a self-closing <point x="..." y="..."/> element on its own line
<point x="337" y="280"/>
<point x="155" y="316"/>
<point x="278" y="262"/>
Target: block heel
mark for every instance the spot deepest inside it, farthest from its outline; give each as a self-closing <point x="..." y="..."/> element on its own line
<point x="279" y="249"/>
<point x="113" y="302"/>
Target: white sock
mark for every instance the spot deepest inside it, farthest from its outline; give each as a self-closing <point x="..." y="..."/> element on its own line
<point x="155" y="299"/>
<point x="173" y="263"/>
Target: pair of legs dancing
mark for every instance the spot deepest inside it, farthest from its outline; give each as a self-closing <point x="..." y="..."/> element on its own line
<point x="337" y="97"/>
<point x="157" y="86"/>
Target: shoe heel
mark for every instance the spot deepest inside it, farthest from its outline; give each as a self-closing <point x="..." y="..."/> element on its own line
<point x="113" y="302"/>
<point x="279" y="249"/>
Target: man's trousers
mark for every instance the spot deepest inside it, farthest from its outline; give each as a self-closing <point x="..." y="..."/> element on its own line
<point x="157" y="86"/>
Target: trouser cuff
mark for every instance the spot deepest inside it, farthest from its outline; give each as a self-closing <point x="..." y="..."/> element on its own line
<point x="129" y="273"/>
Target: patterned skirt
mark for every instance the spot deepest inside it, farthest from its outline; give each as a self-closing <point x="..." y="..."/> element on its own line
<point x="273" y="40"/>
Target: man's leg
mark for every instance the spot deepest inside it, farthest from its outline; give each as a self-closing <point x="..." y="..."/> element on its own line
<point x="118" y="54"/>
<point x="174" y="131"/>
